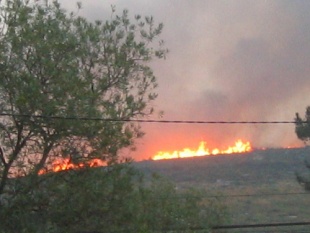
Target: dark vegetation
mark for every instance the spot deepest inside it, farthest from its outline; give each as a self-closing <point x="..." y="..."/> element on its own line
<point x="302" y="129"/>
<point x="110" y="199"/>
<point x="302" y="126"/>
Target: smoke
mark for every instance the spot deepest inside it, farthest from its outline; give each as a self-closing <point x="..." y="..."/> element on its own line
<point x="242" y="60"/>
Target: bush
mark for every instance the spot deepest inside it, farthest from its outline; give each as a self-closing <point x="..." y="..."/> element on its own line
<point x="108" y="199"/>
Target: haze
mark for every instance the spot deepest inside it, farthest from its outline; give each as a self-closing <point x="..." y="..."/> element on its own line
<point x="241" y="60"/>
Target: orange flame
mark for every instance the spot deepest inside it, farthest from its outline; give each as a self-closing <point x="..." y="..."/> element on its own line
<point x="61" y="164"/>
<point x="239" y="147"/>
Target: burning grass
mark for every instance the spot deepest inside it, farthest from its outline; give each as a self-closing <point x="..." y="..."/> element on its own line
<point x="240" y="146"/>
<point x="62" y="164"/>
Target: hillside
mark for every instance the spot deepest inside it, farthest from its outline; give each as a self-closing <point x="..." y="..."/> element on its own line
<point x="256" y="187"/>
<point x="258" y="167"/>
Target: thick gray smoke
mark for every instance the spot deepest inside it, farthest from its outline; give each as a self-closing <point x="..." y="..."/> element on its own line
<point x="242" y="60"/>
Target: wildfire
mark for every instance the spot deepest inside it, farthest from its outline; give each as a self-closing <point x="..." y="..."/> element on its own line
<point x="62" y="164"/>
<point x="239" y="147"/>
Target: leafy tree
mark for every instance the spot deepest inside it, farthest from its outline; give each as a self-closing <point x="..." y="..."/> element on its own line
<point x="110" y="199"/>
<point x="302" y="126"/>
<point x="56" y="66"/>
<point x="57" y="71"/>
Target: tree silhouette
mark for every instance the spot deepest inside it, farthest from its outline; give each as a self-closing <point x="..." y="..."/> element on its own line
<point x="302" y="130"/>
<point x="302" y="126"/>
<point x="56" y="63"/>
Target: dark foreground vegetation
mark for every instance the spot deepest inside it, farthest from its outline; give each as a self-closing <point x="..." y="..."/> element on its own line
<point x="111" y="199"/>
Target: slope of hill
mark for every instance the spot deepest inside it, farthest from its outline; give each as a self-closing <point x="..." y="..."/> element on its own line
<point x="259" y="167"/>
<point x="257" y="187"/>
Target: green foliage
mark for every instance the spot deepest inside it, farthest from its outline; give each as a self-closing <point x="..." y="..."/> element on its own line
<point x="109" y="199"/>
<point x="302" y="126"/>
<point x="56" y="63"/>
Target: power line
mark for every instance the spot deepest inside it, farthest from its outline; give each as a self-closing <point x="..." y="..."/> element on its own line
<point x="273" y="231"/>
<point x="145" y="120"/>
<point x="243" y="226"/>
<point x="239" y="226"/>
<point x="244" y="195"/>
<point x="236" y="226"/>
<point x="231" y="196"/>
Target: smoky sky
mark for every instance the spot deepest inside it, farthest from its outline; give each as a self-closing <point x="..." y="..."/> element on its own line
<point x="241" y="60"/>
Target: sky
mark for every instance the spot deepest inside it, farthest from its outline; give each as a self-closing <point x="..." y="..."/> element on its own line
<point x="241" y="60"/>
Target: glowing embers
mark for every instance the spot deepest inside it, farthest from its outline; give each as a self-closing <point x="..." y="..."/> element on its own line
<point x="62" y="164"/>
<point x="239" y="147"/>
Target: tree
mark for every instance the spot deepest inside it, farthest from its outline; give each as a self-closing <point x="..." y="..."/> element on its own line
<point x="302" y="129"/>
<point x="60" y="75"/>
<point x="57" y="67"/>
<point x="302" y="126"/>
